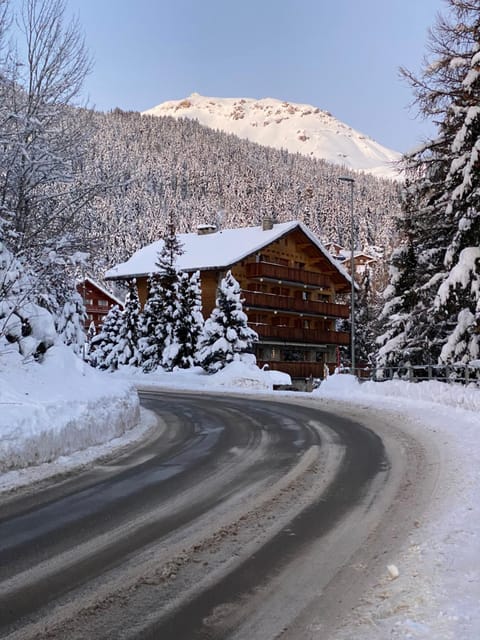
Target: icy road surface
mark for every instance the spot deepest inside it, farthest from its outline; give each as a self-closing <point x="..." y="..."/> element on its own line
<point x="241" y="518"/>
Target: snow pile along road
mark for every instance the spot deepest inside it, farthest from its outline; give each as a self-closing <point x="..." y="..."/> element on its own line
<point x="437" y="592"/>
<point x="58" y="407"/>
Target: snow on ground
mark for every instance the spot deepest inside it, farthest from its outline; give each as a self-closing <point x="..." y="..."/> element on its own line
<point x="50" y="410"/>
<point x="437" y="593"/>
<point x="238" y="375"/>
<point x="56" y="408"/>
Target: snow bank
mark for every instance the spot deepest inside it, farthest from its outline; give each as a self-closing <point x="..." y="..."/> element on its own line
<point x="347" y="387"/>
<point x="58" y="407"/>
<point x="242" y="373"/>
<point x="437" y="592"/>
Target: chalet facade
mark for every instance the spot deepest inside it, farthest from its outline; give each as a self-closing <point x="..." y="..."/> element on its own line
<point x="97" y="300"/>
<point x="361" y="260"/>
<point x="289" y="284"/>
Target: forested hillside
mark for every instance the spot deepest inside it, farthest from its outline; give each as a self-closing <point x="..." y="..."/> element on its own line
<point x="158" y="166"/>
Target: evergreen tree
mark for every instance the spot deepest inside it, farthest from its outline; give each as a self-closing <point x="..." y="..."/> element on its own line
<point x="400" y="295"/>
<point x="458" y="305"/>
<point x="101" y="352"/>
<point x="152" y="340"/>
<point x="167" y="258"/>
<point x="170" y="306"/>
<point x="446" y="194"/>
<point x="69" y="323"/>
<point x="125" y="351"/>
<point x="226" y="334"/>
<point x="189" y="320"/>
<point x="365" y="315"/>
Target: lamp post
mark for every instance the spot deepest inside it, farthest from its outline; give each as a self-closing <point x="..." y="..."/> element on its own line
<point x="351" y="182"/>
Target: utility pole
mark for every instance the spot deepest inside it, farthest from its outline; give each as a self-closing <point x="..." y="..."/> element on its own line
<point x="351" y="182"/>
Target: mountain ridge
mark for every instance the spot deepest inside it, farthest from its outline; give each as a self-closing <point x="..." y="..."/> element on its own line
<point x="295" y="127"/>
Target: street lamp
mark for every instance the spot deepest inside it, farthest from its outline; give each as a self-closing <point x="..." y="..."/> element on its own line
<point x="351" y="182"/>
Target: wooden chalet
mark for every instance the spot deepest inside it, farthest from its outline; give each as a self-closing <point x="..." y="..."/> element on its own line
<point x="289" y="283"/>
<point x="97" y="300"/>
<point x="361" y="260"/>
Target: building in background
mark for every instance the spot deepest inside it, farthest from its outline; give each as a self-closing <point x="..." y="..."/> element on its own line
<point x="97" y="300"/>
<point x="289" y="282"/>
<point x="361" y="259"/>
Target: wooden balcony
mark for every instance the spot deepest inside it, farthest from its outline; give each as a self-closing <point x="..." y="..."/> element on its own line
<point x="96" y="308"/>
<point x="304" y="336"/>
<point x="287" y="274"/>
<point x="295" y="369"/>
<point x="285" y="303"/>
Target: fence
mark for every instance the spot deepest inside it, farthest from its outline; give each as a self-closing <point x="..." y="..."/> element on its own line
<point x="453" y="373"/>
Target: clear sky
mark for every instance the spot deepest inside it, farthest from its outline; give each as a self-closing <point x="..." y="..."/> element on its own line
<point x="339" y="55"/>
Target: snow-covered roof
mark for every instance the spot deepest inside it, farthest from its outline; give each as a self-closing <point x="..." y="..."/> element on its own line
<point x="215" y="250"/>
<point x="103" y="290"/>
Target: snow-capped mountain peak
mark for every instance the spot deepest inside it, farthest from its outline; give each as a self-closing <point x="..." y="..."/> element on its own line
<point x="298" y="128"/>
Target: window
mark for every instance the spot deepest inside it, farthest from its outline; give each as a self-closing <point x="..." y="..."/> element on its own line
<point x="103" y="303"/>
<point x="293" y="355"/>
<point x="89" y="302"/>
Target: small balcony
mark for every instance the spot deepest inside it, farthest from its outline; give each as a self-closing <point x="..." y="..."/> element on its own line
<point x="285" y="303"/>
<point x="304" y="336"/>
<point x="287" y="274"/>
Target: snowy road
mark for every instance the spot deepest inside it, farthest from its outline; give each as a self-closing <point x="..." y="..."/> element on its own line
<point x="242" y="518"/>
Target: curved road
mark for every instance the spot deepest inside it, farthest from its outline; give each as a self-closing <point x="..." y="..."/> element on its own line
<point x="233" y="520"/>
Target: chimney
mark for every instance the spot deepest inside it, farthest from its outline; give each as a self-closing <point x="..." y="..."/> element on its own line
<point x="206" y="229"/>
<point x="267" y="224"/>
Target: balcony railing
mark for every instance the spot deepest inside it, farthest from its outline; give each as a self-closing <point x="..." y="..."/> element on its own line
<point x="272" y="301"/>
<point x="286" y="274"/>
<point x="305" y="336"/>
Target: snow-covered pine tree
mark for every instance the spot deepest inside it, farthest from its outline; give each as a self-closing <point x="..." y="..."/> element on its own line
<point x="189" y="320"/>
<point x="104" y="342"/>
<point x="125" y="351"/>
<point x="446" y="182"/>
<point x="365" y="315"/>
<point x="400" y="295"/>
<point x="458" y="304"/>
<point x="167" y="258"/>
<point x="226" y="334"/>
<point x="70" y="322"/>
<point x="169" y="279"/>
<point x="152" y="338"/>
